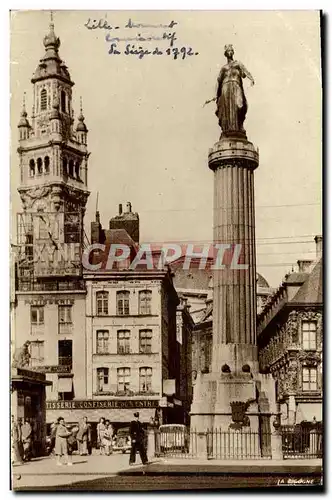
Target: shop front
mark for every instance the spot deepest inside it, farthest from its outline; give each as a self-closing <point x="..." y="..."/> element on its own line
<point x="28" y="402"/>
<point x="120" y="412"/>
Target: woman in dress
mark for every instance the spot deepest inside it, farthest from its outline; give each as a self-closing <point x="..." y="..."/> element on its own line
<point x="100" y="434"/>
<point x="61" y="445"/>
<point x="108" y="438"/>
<point x="231" y="101"/>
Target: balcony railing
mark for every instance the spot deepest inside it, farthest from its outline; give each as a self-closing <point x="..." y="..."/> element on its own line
<point x="65" y="361"/>
<point x="37" y="329"/>
<point x="65" y="328"/>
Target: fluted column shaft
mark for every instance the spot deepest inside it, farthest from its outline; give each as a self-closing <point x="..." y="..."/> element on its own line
<point x="234" y="290"/>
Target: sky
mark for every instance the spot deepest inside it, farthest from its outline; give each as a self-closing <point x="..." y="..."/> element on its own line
<point x="149" y="134"/>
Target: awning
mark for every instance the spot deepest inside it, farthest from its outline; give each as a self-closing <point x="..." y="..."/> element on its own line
<point x="306" y="412"/>
<point x="65" y="384"/>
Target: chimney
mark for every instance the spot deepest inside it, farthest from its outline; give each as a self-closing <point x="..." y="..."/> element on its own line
<point x="98" y="217"/>
<point x="319" y="246"/>
<point x="120" y="208"/>
<point x="128" y="207"/>
<point x="304" y="265"/>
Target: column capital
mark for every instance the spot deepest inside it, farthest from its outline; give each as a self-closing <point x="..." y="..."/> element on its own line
<point x="233" y="152"/>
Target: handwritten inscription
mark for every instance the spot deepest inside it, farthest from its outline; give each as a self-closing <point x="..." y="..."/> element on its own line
<point x="163" y="43"/>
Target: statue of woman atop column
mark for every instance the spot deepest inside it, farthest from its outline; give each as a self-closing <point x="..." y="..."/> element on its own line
<point x="230" y="98"/>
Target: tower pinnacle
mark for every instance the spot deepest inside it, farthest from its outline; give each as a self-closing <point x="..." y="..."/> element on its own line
<point x="24" y="123"/>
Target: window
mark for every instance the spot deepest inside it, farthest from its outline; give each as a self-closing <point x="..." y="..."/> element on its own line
<point x="122" y="303"/>
<point x="145" y="341"/>
<point x="144" y="302"/>
<point x="309" y="331"/>
<point x="65" y="314"/>
<point x="145" y="379"/>
<point x="102" y="379"/>
<point x="77" y="170"/>
<point x="47" y="164"/>
<point x="123" y="379"/>
<point x="36" y="352"/>
<point x="123" y="342"/>
<point x="39" y="166"/>
<point x="63" y="101"/>
<point x="309" y="379"/>
<point x="102" y="341"/>
<point x="71" y="168"/>
<point x="65" y="350"/>
<point x="102" y="303"/>
<point x="43" y="100"/>
<point x="64" y="166"/>
<point x="37" y="315"/>
<point x="32" y="168"/>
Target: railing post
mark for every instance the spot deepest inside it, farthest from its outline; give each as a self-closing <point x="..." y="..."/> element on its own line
<point x="202" y="445"/>
<point x="151" y="448"/>
<point x="276" y="441"/>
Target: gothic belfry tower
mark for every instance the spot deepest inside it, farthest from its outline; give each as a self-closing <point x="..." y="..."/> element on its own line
<point x="49" y="287"/>
<point x="53" y="174"/>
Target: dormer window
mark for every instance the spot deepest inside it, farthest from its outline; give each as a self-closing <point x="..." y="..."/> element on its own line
<point x="43" y="100"/>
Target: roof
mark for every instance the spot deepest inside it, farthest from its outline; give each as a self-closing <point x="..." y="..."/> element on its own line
<point x="296" y="278"/>
<point x="51" y="64"/>
<point x="119" y="236"/>
<point x="261" y="281"/>
<point x="199" y="279"/>
<point x="311" y="292"/>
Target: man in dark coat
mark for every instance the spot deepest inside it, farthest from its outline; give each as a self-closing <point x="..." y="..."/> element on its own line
<point x="137" y="440"/>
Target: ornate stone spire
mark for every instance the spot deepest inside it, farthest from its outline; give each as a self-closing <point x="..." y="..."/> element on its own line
<point x="51" y="65"/>
<point x="24" y="120"/>
<point x="81" y="127"/>
<point x="51" y="41"/>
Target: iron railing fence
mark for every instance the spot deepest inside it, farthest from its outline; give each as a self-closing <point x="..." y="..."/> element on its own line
<point x="302" y="442"/>
<point x="176" y="443"/>
<point x="238" y="444"/>
<point x="242" y="444"/>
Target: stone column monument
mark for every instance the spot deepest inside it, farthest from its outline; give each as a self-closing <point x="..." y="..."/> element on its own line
<point x="234" y="394"/>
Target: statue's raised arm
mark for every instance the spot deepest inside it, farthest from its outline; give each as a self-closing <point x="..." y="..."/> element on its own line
<point x="230" y="98"/>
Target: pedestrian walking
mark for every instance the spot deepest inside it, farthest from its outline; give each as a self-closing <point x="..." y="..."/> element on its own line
<point x="61" y="445"/>
<point x="72" y="440"/>
<point x="84" y="437"/>
<point x="26" y="436"/>
<point x="16" y="439"/>
<point x="108" y="438"/>
<point x="54" y="427"/>
<point x="137" y="440"/>
<point x="100" y="435"/>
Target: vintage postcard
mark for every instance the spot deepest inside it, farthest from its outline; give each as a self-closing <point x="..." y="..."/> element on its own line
<point x="166" y="250"/>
